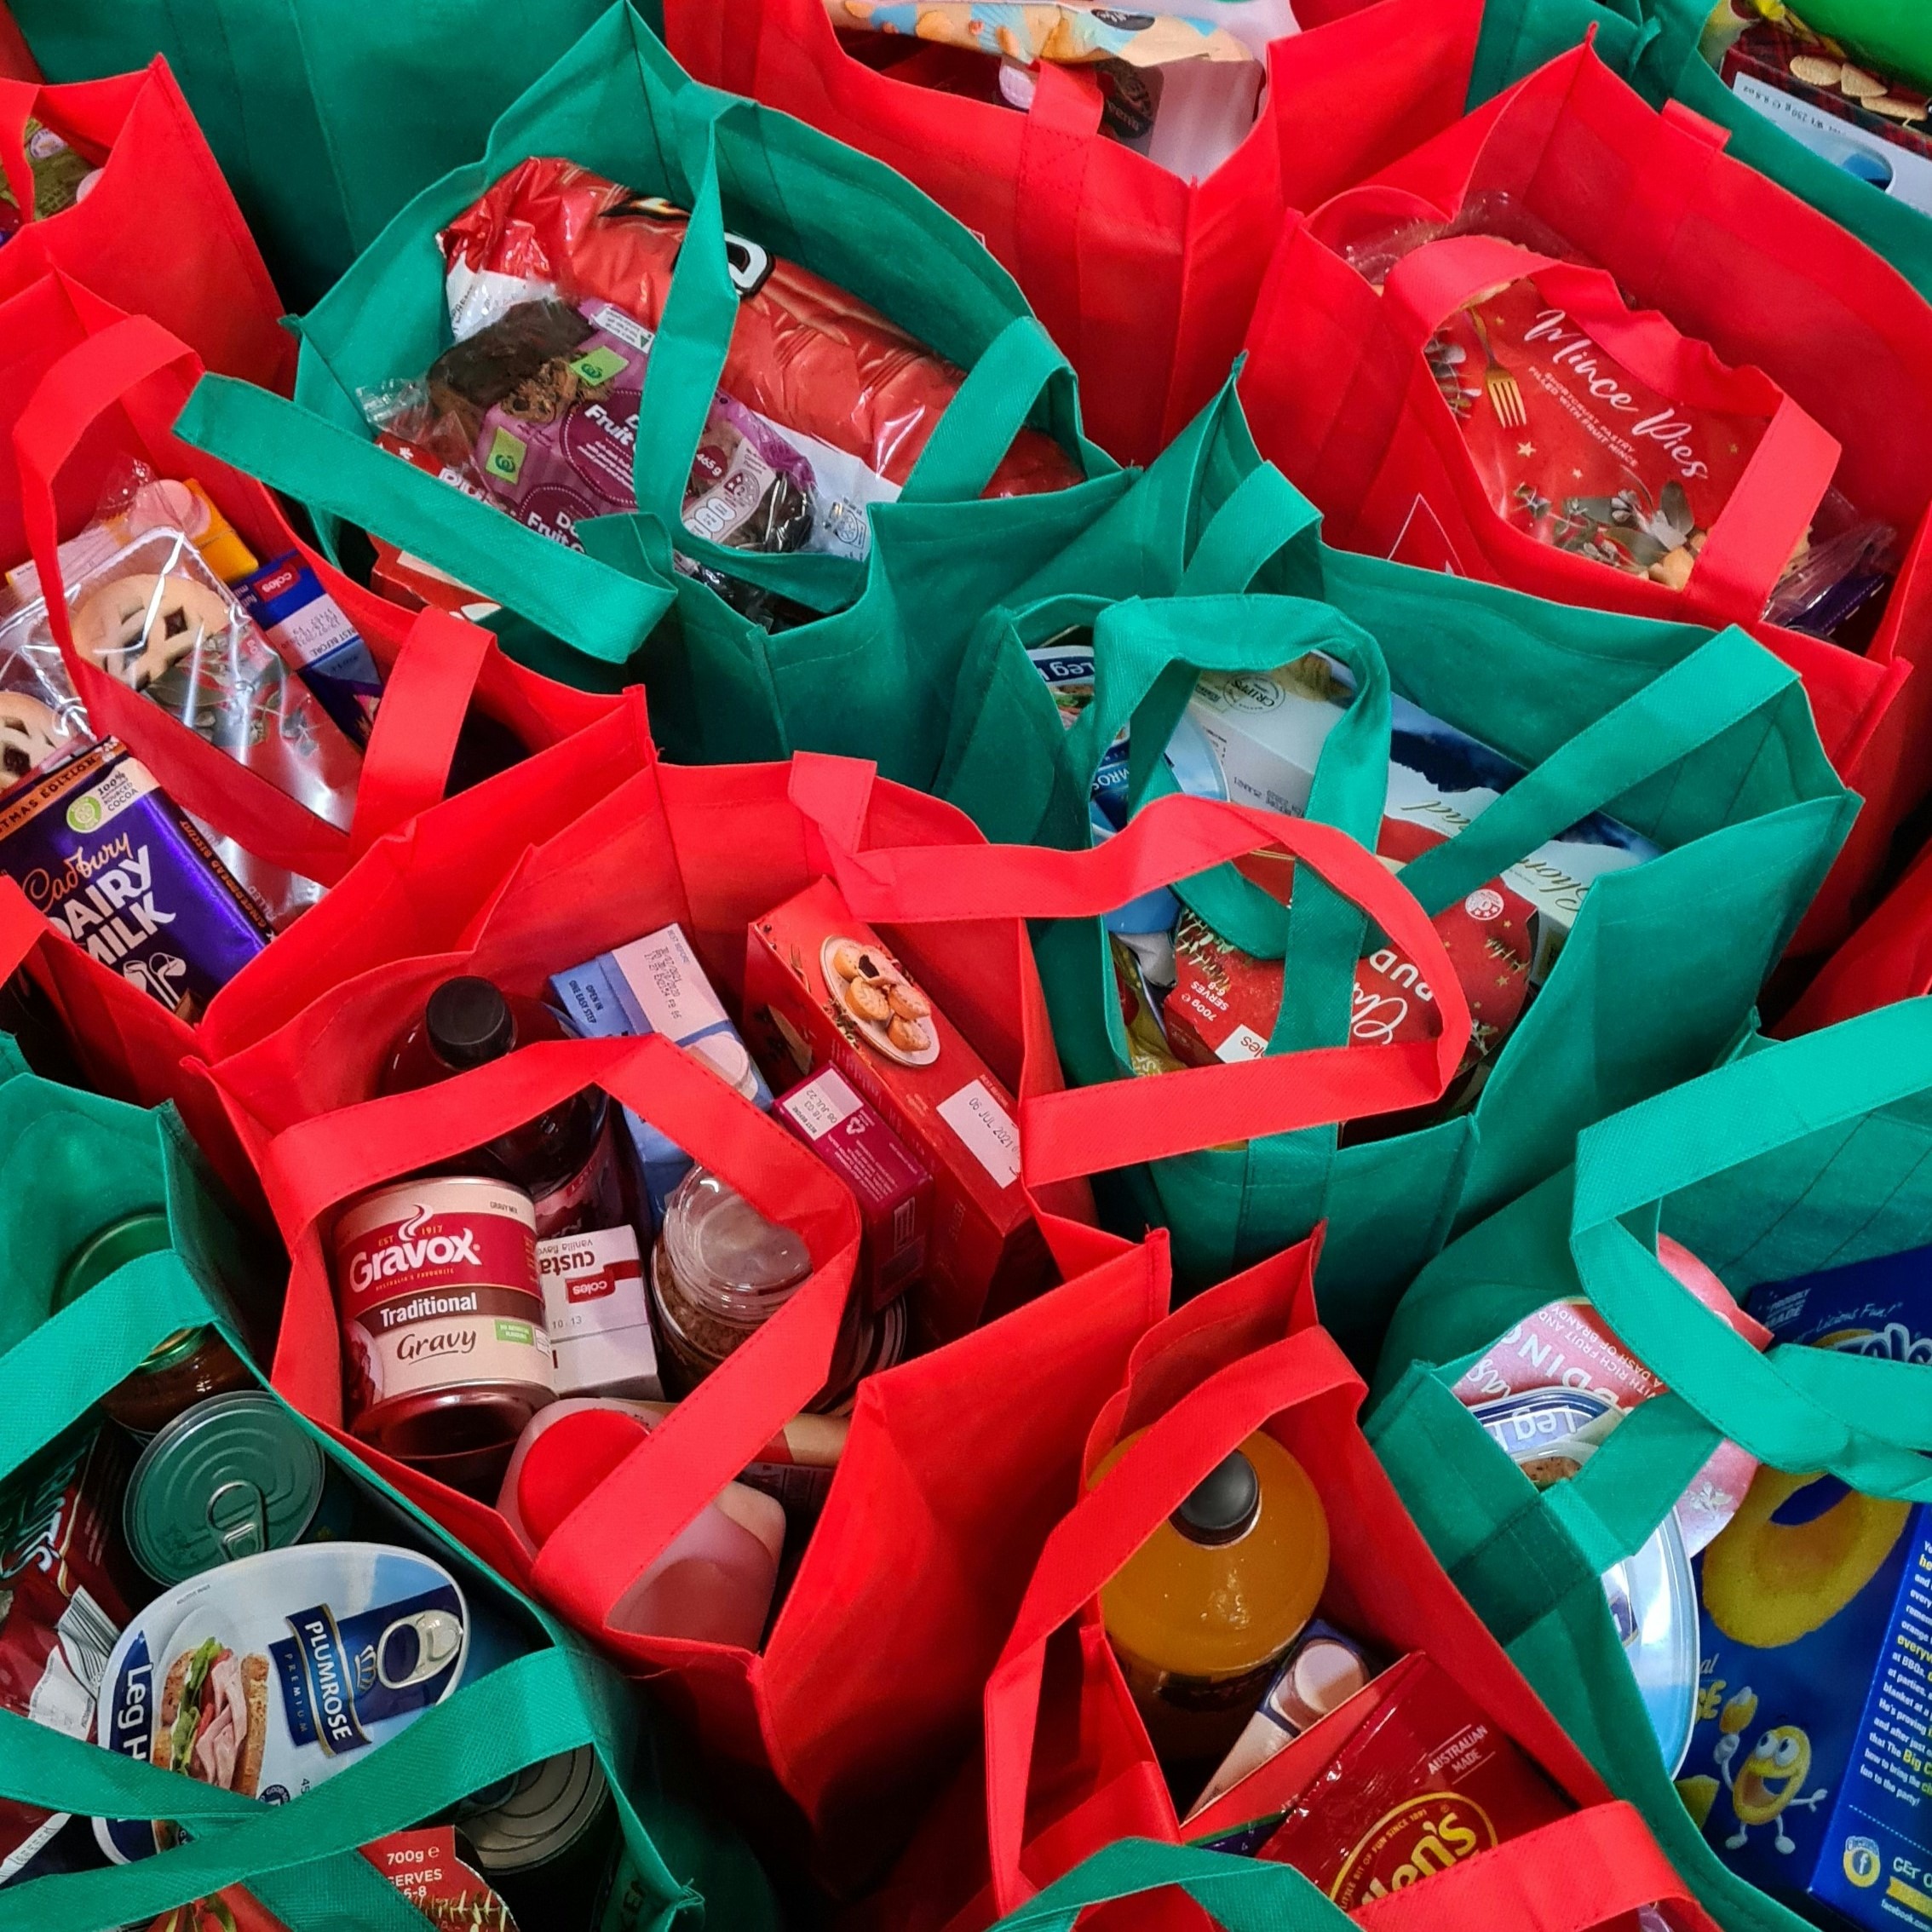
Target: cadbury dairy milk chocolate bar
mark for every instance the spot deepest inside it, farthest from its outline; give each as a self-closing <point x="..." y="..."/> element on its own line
<point x="117" y="867"/>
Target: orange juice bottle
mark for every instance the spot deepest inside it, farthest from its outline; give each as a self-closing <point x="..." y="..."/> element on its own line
<point x="1200" y="1614"/>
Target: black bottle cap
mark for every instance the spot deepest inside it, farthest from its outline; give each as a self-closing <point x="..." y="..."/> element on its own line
<point x="1223" y="1508"/>
<point x="468" y="1023"/>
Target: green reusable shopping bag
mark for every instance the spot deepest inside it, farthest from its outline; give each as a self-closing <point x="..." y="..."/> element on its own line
<point x="69" y="1163"/>
<point x="1702" y="742"/>
<point x="1653" y="44"/>
<point x="1790" y="1159"/>
<point x="870" y="678"/>
<point x="326" y="115"/>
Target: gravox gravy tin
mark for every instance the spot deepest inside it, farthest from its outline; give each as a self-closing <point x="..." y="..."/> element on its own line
<point x="442" y="1316"/>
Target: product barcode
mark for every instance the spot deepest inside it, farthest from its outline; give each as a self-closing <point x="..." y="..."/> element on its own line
<point x="88" y="1636"/>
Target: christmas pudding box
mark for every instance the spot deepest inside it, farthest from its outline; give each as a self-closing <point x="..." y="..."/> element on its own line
<point x="821" y="991"/>
<point x="1253" y="737"/>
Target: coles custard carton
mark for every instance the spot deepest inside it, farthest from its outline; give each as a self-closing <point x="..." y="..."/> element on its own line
<point x="820" y="990"/>
<point x="1810" y="1770"/>
<point x="1255" y="738"/>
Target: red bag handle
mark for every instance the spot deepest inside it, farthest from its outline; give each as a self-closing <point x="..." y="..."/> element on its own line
<point x="598" y="1550"/>
<point x="1117" y="1124"/>
<point x="397" y="780"/>
<point x="1776" y="499"/>
<point x="426" y="697"/>
<point x="22" y="928"/>
<point x="1594" y="1868"/>
<point x="17" y="100"/>
<point x="1104" y="1528"/>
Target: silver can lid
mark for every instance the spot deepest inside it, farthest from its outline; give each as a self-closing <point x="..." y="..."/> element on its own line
<point x="547" y="1809"/>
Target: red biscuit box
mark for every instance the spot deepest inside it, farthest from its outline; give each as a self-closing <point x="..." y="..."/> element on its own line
<point x="1225" y="1001"/>
<point x="894" y="1193"/>
<point x="820" y="990"/>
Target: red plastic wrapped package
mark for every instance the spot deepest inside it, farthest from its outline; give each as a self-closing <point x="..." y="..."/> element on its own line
<point x="805" y="353"/>
<point x="63" y="1580"/>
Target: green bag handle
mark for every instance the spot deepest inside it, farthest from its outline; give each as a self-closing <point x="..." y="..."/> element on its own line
<point x="1719" y="685"/>
<point x="597" y="610"/>
<point x="1864" y="1419"/>
<point x="1147" y="657"/>
<point x="1263" y="515"/>
<point x="1240" y="1895"/>
<point x="521" y="1713"/>
<point x="73" y="1358"/>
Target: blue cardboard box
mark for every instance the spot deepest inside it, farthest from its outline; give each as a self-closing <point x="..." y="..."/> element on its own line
<point x="655" y="984"/>
<point x="1810" y="1768"/>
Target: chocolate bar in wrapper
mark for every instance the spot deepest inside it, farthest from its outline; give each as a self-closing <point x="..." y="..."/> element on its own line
<point x="119" y="870"/>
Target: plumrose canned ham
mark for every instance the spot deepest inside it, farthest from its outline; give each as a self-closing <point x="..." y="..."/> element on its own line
<point x="442" y="1316"/>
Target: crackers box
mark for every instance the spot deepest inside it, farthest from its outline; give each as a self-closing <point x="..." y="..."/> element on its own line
<point x="1891" y="148"/>
<point x="986" y="1253"/>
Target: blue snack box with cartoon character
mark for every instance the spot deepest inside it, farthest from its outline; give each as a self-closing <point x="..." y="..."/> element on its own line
<point x="1810" y="1769"/>
<point x="1881" y="1306"/>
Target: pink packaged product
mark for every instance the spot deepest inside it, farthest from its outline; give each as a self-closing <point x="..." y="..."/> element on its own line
<point x="558" y="449"/>
<point x="895" y="1192"/>
<point x="1567" y="1345"/>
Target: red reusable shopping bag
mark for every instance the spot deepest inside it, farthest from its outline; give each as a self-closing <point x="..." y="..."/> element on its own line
<point x="85" y="389"/>
<point x="1067" y="1767"/>
<point x="1887" y="958"/>
<point x="713" y="847"/>
<point x="1342" y="396"/>
<point x="1145" y="280"/>
<point x="158" y="234"/>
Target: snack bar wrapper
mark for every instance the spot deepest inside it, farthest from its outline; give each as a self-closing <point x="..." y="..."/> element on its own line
<point x="818" y="365"/>
<point x="63" y="1596"/>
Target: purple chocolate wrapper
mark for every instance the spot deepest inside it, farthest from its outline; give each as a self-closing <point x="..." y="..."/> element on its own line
<point x="117" y="867"/>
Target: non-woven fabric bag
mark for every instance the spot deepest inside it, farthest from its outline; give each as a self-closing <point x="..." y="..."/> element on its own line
<point x="833" y="1751"/>
<point x="869" y="679"/>
<point x="158" y="233"/>
<point x="326" y="115"/>
<point x="1653" y="44"/>
<point x="1067" y="1767"/>
<point x="1341" y="394"/>
<point x="1145" y="279"/>
<point x="72" y="1164"/>
<point x="86" y="391"/>
<point x="1887" y="958"/>
<point x="1592" y="1870"/>
<point x="1791" y="1159"/>
<point x="1702" y="742"/>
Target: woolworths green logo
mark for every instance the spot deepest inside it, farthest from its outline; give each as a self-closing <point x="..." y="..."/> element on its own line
<point x="506" y="456"/>
<point x="84" y="814"/>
